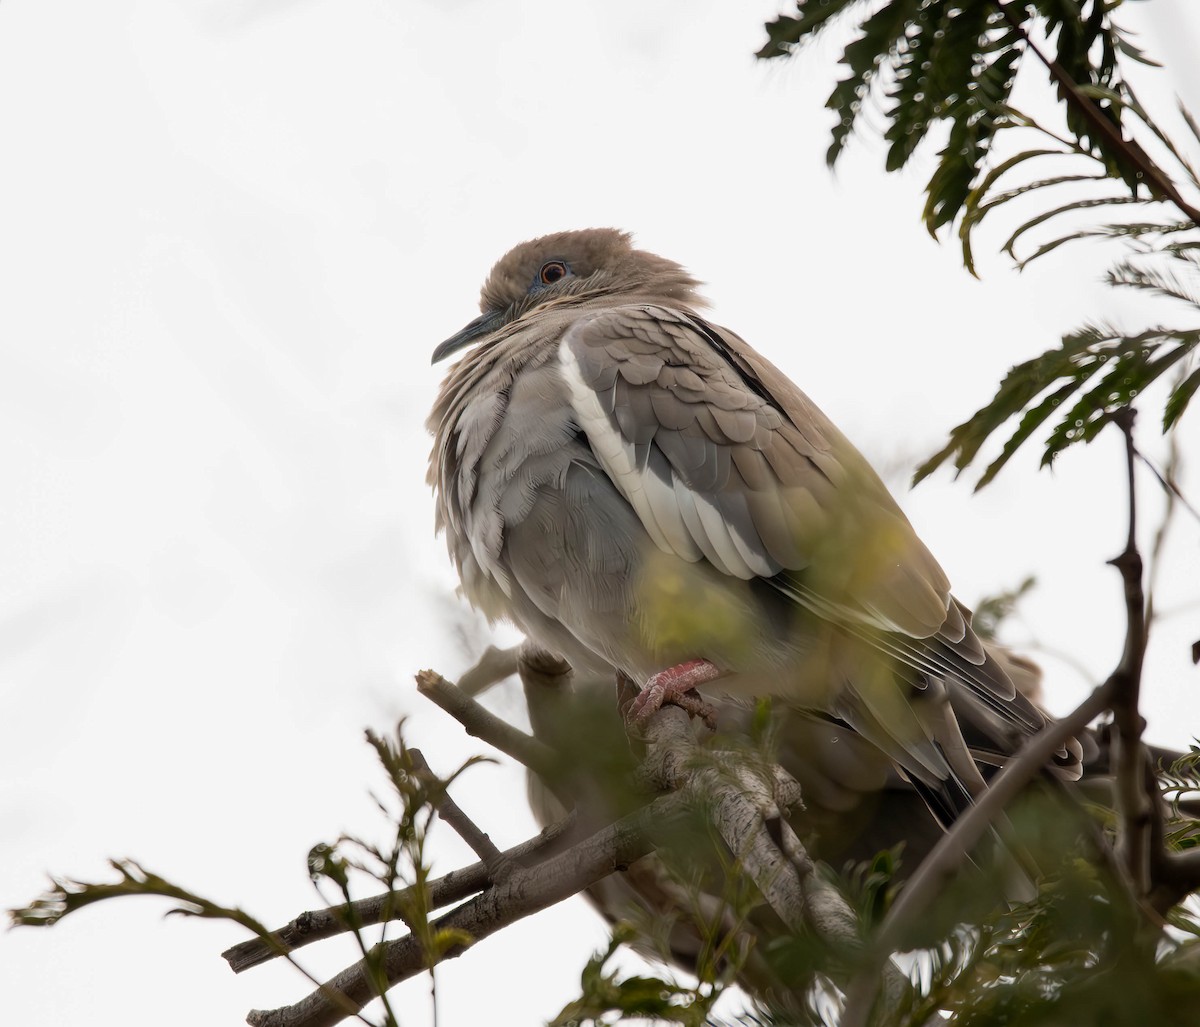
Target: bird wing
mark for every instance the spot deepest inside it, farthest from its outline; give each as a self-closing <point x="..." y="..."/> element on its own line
<point x="724" y="459"/>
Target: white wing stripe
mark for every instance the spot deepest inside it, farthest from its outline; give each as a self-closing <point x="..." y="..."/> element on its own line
<point x="651" y="498"/>
<point x="686" y="499"/>
<point x="678" y="519"/>
<point x="718" y="533"/>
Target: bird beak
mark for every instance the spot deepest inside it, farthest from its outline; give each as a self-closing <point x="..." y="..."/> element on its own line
<point x="482" y="325"/>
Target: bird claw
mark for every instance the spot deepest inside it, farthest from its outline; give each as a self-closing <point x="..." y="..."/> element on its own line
<point x="676" y="686"/>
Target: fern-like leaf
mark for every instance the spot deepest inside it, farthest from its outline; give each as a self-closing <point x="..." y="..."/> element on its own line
<point x="1127" y="365"/>
<point x="881" y="33"/>
<point x="787" y="33"/>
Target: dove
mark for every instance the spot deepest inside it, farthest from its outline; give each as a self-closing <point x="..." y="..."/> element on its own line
<point x="641" y="491"/>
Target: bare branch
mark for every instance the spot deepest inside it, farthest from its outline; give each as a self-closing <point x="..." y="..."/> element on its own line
<point x="490" y="669"/>
<point x="467" y="829"/>
<point x="455" y="886"/>
<point x="1133" y="799"/>
<point x="480" y="723"/>
<point x="526" y="891"/>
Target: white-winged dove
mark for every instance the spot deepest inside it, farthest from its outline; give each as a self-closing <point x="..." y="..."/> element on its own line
<point x="637" y="488"/>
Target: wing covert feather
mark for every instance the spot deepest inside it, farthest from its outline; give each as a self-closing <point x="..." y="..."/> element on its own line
<point x="759" y="479"/>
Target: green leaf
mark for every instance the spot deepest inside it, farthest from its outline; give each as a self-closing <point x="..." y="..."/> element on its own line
<point x="324" y="861"/>
<point x="980" y="110"/>
<point x="1040" y="219"/>
<point x="603" y="993"/>
<point x="918" y="89"/>
<point x="1180" y="397"/>
<point x="993" y="610"/>
<point x="1033" y="419"/>
<point x="880" y="35"/>
<point x="1019" y="387"/>
<point x="1037" y="390"/>
<point x="974" y="208"/>
<point x="1127" y="274"/>
<point x="68" y="896"/>
<point x="1135" y="53"/>
<point x="1190" y="121"/>
<point x="786" y="33"/>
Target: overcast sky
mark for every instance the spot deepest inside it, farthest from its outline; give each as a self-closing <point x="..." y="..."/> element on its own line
<point x="231" y="233"/>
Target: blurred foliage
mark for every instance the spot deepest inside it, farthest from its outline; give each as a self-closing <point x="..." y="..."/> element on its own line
<point x="67" y="895"/>
<point x="946" y="70"/>
<point x="1079" y="952"/>
<point x="994" y="610"/>
<point x="1180" y="782"/>
<point x="605" y="995"/>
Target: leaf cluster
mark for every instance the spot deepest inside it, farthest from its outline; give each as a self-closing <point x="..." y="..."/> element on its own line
<point x="1078" y="952"/>
<point x="953" y="65"/>
<point x="925" y="63"/>
<point x="991" y="611"/>
<point x="607" y="994"/>
<point x="1180" y="784"/>
<point x="1074" y="955"/>
<point x="1097" y="372"/>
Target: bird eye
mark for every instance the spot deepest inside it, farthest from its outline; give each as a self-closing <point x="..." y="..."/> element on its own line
<point x="552" y="271"/>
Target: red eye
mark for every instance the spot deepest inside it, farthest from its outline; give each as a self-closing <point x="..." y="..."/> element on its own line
<point x="552" y="272"/>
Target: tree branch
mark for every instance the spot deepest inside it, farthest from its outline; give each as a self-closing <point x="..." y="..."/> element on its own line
<point x="491" y="668"/>
<point x="480" y="723"/>
<point x="1134" y="803"/>
<point x="316" y="925"/>
<point x="749" y="814"/>
<point x="452" y="814"/>
<point x="526" y="891"/>
<point x="1155" y="178"/>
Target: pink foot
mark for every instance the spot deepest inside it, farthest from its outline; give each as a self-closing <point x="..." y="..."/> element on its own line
<point x="677" y="686"/>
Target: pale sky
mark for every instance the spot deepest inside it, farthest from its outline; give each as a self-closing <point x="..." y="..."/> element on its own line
<point x="231" y="233"/>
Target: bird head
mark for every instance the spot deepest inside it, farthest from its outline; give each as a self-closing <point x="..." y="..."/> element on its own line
<point x="571" y="268"/>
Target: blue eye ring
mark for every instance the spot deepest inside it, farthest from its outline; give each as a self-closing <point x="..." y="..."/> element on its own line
<point x="553" y="271"/>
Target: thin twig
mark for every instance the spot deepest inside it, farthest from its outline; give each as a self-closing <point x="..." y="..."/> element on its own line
<point x="943" y="861"/>
<point x="316" y="925"/>
<point x="526" y="891"/>
<point x="452" y="814"/>
<point x="1175" y="498"/>
<point x="1168" y="478"/>
<point x="480" y="723"/>
<point x="1133" y="802"/>
<point x="490" y="669"/>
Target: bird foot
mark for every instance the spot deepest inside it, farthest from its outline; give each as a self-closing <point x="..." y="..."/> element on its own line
<point x="676" y="686"/>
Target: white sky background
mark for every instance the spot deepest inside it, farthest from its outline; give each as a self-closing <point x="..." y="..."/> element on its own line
<point x="231" y="233"/>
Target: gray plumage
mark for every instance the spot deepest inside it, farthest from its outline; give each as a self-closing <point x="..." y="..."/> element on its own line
<point x="636" y="487"/>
